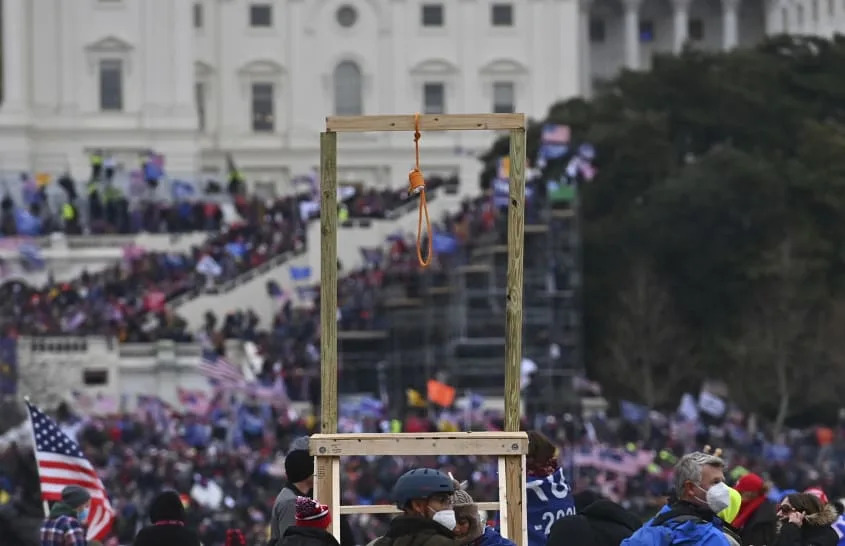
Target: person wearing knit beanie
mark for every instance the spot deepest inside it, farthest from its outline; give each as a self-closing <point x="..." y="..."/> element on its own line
<point x="235" y="537"/>
<point x="312" y="522"/>
<point x="299" y="470"/>
<point x="468" y="528"/>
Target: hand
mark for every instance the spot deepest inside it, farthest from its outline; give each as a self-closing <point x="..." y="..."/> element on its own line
<point x="796" y="518"/>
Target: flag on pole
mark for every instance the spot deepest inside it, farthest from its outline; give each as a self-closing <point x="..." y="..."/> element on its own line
<point x="62" y="463"/>
<point x="220" y="371"/>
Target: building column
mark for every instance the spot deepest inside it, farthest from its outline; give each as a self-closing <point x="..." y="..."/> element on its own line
<point x="586" y="47"/>
<point x="632" y="33"/>
<point x="680" y="16"/>
<point x="68" y="53"/>
<point x="730" y="24"/>
<point x="15" y="47"/>
<point x="183" y="60"/>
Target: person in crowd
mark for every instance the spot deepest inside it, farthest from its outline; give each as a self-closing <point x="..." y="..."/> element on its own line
<point x="468" y="526"/>
<point x="548" y="497"/>
<point x="167" y="515"/>
<point x="803" y="520"/>
<point x="424" y="496"/>
<point x="690" y="517"/>
<point x="299" y="469"/>
<point x="599" y="521"/>
<point x="65" y="526"/>
<point x="235" y="537"/>
<point x="312" y="525"/>
<point x="756" y="521"/>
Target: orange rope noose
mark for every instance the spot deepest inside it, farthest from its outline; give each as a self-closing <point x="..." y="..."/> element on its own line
<point x="416" y="185"/>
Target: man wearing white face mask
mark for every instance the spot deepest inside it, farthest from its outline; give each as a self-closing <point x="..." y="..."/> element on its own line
<point x="690" y="518"/>
<point x="425" y="497"/>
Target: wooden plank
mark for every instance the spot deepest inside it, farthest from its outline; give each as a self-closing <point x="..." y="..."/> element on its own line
<point x="428" y="122"/>
<point x="515" y="509"/>
<point x="436" y="443"/>
<point x="504" y="513"/>
<point x="513" y="301"/>
<point x="349" y="335"/>
<point x="327" y="469"/>
<point x="390" y="509"/>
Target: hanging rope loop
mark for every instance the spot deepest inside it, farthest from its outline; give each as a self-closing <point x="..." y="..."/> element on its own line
<point x="416" y="186"/>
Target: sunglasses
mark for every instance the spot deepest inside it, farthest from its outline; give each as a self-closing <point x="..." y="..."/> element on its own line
<point x="785" y="509"/>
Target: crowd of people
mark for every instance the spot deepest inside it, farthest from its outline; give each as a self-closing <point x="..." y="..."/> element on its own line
<point x="229" y="464"/>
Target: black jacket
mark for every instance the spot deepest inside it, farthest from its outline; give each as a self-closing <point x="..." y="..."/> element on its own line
<point x="601" y="523"/>
<point x="306" y="536"/>
<point x="415" y="531"/>
<point x="816" y="531"/>
<point x="761" y="527"/>
<point x="168" y="517"/>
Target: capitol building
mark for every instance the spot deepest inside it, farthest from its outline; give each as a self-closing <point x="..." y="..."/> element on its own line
<point x="199" y="79"/>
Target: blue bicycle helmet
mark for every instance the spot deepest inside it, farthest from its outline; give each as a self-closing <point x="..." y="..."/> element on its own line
<point x="420" y="483"/>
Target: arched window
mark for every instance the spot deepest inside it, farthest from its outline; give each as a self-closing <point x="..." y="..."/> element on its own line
<point x="348" y="94"/>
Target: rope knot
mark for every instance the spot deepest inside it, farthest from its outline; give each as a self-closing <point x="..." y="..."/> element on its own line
<point x="416" y="186"/>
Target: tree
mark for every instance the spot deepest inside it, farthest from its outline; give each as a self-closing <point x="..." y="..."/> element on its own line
<point x="647" y="352"/>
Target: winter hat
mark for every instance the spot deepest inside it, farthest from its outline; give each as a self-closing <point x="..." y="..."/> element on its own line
<point x="466" y="510"/>
<point x="750" y="483"/>
<point x="75" y="496"/>
<point x="818" y="493"/>
<point x="167" y="506"/>
<point x="235" y="537"/>
<point x="310" y="513"/>
<point x="299" y="466"/>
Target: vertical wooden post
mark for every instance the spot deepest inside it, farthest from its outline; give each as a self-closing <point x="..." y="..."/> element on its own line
<point x="327" y="472"/>
<point x="515" y="480"/>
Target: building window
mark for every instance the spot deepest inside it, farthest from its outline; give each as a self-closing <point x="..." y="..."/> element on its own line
<point x="199" y="97"/>
<point x="432" y="15"/>
<point x="501" y="15"/>
<point x="348" y="93"/>
<point x="260" y="15"/>
<point x="263" y="120"/>
<point x="504" y="95"/>
<point x="695" y="29"/>
<point x="646" y="31"/>
<point x="434" y="98"/>
<point x="111" y="85"/>
<point x="346" y="16"/>
<point x="197" y="15"/>
<point x="597" y="31"/>
<point x="814" y="7"/>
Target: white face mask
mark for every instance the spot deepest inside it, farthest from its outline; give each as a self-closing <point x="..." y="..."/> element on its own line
<point x="718" y="497"/>
<point x="446" y="518"/>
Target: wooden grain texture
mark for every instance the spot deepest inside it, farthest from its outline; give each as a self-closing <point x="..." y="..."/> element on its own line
<point x="326" y="471"/>
<point x="513" y="304"/>
<point x="428" y="122"/>
<point x="437" y="443"/>
<point x="515" y="507"/>
<point x="390" y="509"/>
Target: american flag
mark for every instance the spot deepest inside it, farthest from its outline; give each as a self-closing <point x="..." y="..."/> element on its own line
<point x="62" y="463"/>
<point x="220" y="371"/>
<point x="555" y="134"/>
<point x="194" y="401"/>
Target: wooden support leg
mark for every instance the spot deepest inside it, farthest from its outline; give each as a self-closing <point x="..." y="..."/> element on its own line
<point x="515" y="509"/>
<point x="327" y="488"/>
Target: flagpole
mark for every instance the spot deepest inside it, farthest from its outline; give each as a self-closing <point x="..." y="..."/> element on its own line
<point x="44" y="504"/>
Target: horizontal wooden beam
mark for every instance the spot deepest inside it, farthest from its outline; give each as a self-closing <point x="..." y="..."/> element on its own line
<point x="435" y="443"/>
<point x="428" y="122"/>
<point x="390" y="509"/>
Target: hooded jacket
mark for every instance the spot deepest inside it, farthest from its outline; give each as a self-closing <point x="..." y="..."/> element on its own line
<point x="816" y="530"/>
<point x="168" y="524"/>
<point x="603" y="523"/>
<point x="308" y="536"/>
<point x="415" y="531"/>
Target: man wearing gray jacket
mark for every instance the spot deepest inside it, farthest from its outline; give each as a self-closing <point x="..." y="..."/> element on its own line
<point x="299" y="469"/>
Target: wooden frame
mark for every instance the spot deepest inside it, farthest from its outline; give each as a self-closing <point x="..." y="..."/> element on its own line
<point x="510" y="446"/>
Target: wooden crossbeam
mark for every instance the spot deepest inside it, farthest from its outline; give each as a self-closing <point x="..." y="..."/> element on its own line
<point x="390" y="509"/>
<point x="435" y="443"/>
<point x="428" y="122"/>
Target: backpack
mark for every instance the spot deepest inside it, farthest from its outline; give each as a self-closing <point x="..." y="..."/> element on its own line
<point x="661" y="531"/>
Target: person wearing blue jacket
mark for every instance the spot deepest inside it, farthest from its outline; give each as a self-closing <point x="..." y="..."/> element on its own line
<point x="548" y="497"/>
<point x="469" y="529"/>
<point x="690" y="517"/>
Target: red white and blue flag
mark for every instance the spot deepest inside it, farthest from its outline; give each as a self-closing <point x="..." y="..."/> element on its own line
<point x="62" y="463"/>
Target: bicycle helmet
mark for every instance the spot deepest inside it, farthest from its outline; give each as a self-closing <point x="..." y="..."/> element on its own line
<point x="420" y="483"/>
